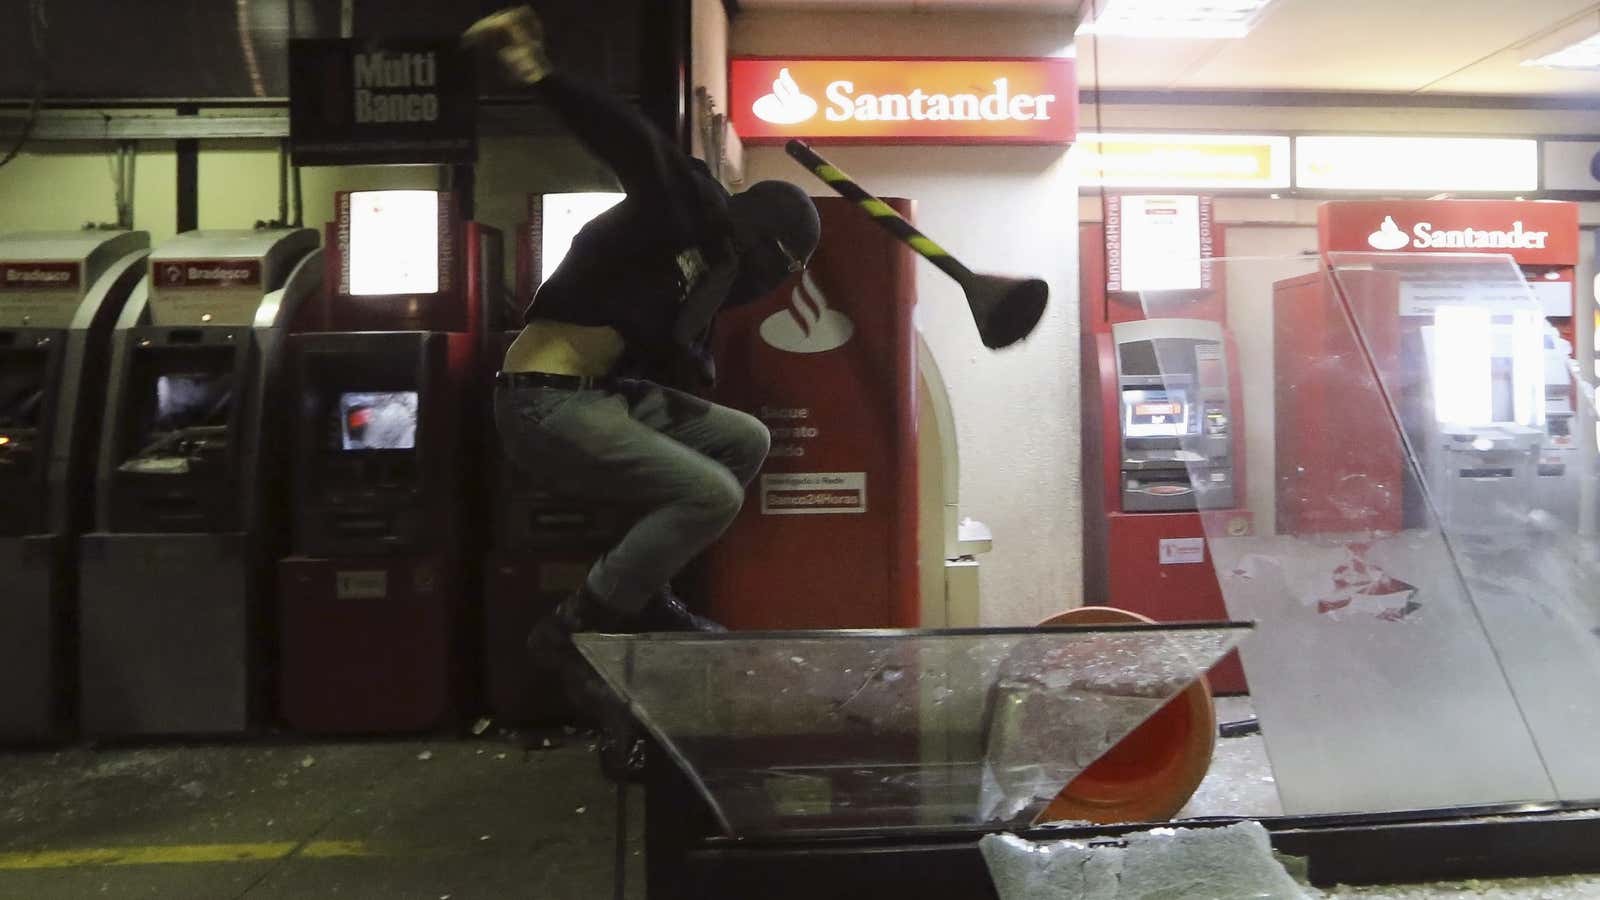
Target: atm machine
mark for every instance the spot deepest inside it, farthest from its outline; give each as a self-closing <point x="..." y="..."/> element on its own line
<point x="1325" y="495"/>
<point x="1489" y="415"/>
<point x="1168" y="418"/>
<point x="540" y="546"/>
<point x="175" y="576"/>
<point x="374" y="607"/>
<point x="1175" y="416"/>
<point x="1162" y="411"/>
<point x="60" y="292"/>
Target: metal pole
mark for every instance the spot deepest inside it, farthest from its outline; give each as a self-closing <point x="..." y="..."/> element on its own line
<point x="1588" y="453"/>
<point x="619" y="874"/>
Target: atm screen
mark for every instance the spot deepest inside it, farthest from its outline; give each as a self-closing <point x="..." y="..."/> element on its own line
<point x="21" y="396"/>
<point x="378" y="421"/>
<point x="1155" y="413"/>
<point x="192" y="399"/>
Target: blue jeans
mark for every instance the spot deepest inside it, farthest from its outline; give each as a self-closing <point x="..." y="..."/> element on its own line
<point x="686" y="461"/>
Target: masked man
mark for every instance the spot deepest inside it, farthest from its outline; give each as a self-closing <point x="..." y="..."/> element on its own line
<point x="588" y="397"/>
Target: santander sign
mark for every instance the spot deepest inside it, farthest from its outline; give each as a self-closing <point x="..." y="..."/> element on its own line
<point x="1424" y="236"/>
<point x="1534" y="233"/>
<point x="905" y="101"/>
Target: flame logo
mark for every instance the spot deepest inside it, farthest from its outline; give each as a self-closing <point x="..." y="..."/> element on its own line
<point x="1388" y="236"/>
<point x="787" y="104"/>
<point x="809" y="325"/>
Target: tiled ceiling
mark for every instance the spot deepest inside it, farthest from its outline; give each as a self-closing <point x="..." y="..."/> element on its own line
<point x="1469" y="47"/>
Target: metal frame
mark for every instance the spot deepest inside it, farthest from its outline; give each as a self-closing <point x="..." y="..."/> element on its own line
<point x="802" y="634"/>
<point x="684" y="859"/>
<point x="499" y="118"/>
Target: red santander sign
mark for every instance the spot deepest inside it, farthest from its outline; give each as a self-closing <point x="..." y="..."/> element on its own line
<point x="904" y="101"/>
<point x="1534" y="233"/>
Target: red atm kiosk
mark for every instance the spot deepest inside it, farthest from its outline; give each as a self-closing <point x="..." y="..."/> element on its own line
<point x="828" y="534"/>
<point x="388" y="368"/>
<point x="1158" y="392"/>
<point x="1357" y="480"/>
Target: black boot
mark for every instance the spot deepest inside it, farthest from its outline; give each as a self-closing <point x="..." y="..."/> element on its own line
<point x="665" y="612"/>
<point x="551" y="646"/>
<point x="550" y="641"/>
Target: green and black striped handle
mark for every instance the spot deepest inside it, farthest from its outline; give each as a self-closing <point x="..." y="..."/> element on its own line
<point x="1005" y="309"/>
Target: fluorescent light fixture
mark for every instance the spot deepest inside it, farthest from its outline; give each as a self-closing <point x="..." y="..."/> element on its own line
<point x="394" y="243"/>
<point x="564" y="216"/>
<point x="1347" y="163"/>
<point x="1585" y="54"/>
<point x="1573" y="45"/>
<point x="1173" y="18"/>
<point x="1182" y="161"/>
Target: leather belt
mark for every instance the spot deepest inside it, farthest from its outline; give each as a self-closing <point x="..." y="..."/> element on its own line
<point x="547" y="379"/>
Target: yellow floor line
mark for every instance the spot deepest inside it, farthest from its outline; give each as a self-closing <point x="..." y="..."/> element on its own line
<point x="179" y="853"/>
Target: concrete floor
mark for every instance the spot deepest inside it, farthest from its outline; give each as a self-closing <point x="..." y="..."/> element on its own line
<point x="479" y="818"/>
<point x="494" y="817"/>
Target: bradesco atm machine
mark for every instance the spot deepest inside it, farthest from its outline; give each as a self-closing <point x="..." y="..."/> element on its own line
<point x="175" y="577"/>
<point x="1497" y="446"/>
<point x="1161" y="442"/>
<point x="60" y="293"/>
<point x="374" y="602"/>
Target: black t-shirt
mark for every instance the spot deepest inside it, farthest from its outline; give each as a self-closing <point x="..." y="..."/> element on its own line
<point x="633" y="267"/>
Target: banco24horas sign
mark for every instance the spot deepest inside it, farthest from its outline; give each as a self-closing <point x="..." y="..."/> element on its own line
<point x="965" y="101"/>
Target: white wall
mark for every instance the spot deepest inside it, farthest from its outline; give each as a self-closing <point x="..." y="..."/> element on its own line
<point x="709" y="61"/>
<point x="998" y="209"/>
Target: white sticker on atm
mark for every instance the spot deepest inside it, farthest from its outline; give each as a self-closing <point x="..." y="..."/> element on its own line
<point x="813" y="493"/>
<point x="1183" y="551"/>
<point x="361" y="585"/>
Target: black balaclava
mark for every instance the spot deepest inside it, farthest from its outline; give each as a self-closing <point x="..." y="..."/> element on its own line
<point x="768" y="212"/>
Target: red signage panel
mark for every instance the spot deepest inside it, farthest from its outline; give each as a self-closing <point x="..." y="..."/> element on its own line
<point x="205" y="273"/>
<point x="39" y="276"/>
<point x="1534" y="233"/>
<point x="828" y="534"/>
<point x="898" y="101"/>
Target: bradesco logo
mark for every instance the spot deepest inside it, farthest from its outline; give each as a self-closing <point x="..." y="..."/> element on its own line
<point x="38" y="276"/>
<point x="210" y="273"/>
<point x="966" y="101"/>
<point x="1424" y="236"/>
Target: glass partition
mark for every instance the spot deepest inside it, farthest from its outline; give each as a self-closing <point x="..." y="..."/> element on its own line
<point x="1415" y="532"/>
<point x="789" y="732"/>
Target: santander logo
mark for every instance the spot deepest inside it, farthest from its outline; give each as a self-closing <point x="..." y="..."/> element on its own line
<point x="1388" y="237"/>
<point x="1424" y="236"/>
<point x="787" y="104"/>
<point x="809" y="325"/>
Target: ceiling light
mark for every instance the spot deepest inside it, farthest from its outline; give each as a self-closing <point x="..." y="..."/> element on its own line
<point x="1173" y="18"/>
<point x="1585" y="54"/>
<point x="1574" y="44"/>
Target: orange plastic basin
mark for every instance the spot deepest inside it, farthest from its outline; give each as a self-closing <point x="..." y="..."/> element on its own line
<point x="1150" y="774"/>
